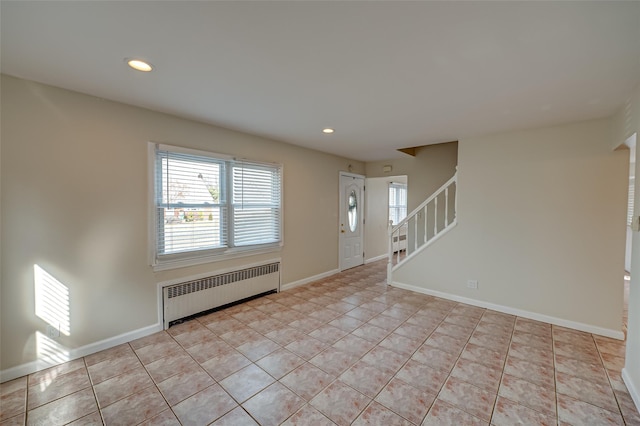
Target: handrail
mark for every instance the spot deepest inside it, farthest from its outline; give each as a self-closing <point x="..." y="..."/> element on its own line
<point x="425" y="202"/>
<point x="398" y="244"/>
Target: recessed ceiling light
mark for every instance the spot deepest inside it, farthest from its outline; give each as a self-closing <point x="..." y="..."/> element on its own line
<point x="327" y="131"/>
<point x="139" y="65"/>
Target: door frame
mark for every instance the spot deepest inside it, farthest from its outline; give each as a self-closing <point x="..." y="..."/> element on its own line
<point x="362" y="203"/>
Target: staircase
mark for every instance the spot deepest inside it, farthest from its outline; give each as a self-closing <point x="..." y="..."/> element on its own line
<point x="423" y="226"/>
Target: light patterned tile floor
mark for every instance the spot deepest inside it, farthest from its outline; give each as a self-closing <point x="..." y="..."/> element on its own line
<point x="343" y="350"/>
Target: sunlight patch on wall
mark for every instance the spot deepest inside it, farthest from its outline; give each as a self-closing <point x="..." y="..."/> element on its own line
<point x="52" y="301"/>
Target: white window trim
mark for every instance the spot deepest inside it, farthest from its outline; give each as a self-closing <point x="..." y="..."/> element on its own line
<point x="630" y="200"/>
<point x="204" y="256"/>
<point x="398" y="185"/>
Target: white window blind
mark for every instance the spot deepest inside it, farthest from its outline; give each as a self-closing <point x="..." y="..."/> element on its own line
<point x="207" y="205"/>
<point x="256" y="204"/>
<point x="632" y="184"/>
<point x="397" y="202"/>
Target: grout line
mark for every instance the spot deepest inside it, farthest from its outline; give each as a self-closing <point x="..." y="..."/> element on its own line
<point x="216" y="382"/>
<point x="337" y="378"/>
<point x="154" y="384"/>
<point x="555" y="375"/>
<point x="458" y="359"/>
<point x="55" y="398"/>
<point x="454" y="364"/>
<point x="26" y="400"/>
<point x="373" y="399"/>
<point x="347" y="284"/>
<point x="504" y="364"/>
<point x="93" y="389"/>
<point x="606" y="372"/>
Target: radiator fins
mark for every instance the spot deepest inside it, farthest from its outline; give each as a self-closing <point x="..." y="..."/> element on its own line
<point x="220" y="280"/>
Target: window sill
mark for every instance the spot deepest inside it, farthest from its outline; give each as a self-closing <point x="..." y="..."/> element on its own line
<point x="233" y="253"/>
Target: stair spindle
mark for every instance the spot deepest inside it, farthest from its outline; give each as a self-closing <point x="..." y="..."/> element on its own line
<point x="455" y="202"/>
<point x="415" y="233"/>
<point x="435" y="217"/>
<point x="446" y="207"/>
<point x="425" y="224"/>
<point x="414" y="217"/>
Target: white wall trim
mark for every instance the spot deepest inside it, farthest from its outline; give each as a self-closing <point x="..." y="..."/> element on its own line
<point x="376" y="258"/>
<point x="633" y="389"/>
<point x="91" y="348"/>
<point x="349" y="174"/>
<point x="614" y="334"/>
<point x="308" y="280"/>
<point x="221" y="256"/>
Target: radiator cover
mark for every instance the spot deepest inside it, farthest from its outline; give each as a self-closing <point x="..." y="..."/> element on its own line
<point x="203" y="294"/>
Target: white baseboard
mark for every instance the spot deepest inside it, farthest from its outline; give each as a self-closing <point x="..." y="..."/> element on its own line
<point x="614" y="334"/>
<point x="376" y="258"/>
<point x="308" y="280"/>
<point x="633" y="389"/>
<point x="91" y="348"/>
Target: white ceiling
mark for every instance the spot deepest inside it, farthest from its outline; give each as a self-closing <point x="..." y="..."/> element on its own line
<point x="385" y="75"/>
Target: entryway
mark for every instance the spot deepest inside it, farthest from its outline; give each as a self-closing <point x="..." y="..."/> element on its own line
<point x="351" y="235"/>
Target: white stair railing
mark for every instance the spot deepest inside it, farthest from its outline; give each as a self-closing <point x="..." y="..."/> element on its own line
<point x="423" y="225"/>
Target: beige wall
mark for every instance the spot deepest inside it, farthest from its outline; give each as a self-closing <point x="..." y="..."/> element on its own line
<point x="629" y="119"/>
<point x="432" y="166"/>
<point x="74" y="201"/>
<point x="376" y="237"/>
<point x="541" y="226"/>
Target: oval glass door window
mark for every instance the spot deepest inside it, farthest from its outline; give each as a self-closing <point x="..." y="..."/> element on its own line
<point x="353" y="211"/>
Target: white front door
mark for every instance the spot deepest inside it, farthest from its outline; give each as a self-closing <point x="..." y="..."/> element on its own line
<point x="351" y="220"/>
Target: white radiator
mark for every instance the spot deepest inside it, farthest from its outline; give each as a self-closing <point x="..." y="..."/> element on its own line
<point x="200" y="295"/>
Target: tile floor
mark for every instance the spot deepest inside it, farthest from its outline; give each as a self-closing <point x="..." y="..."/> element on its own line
<point x="344" y="350"/>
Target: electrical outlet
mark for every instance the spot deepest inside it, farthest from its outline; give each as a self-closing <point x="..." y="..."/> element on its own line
<point x="472" y="284"/>
<point x="53" y="332"/>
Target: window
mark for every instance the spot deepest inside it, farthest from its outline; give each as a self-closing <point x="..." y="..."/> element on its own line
<point x="631" y="142"/>
<point x="208" y="206"/>
<point x="631" y="195"/>
<point x="397" y="202"/>
<point x="353" y="211"/>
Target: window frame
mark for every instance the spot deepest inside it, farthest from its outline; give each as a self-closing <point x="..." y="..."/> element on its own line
<point x="161" y="262"/>
<point x="631" y="200"/>
<point x="395" y="206"/>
